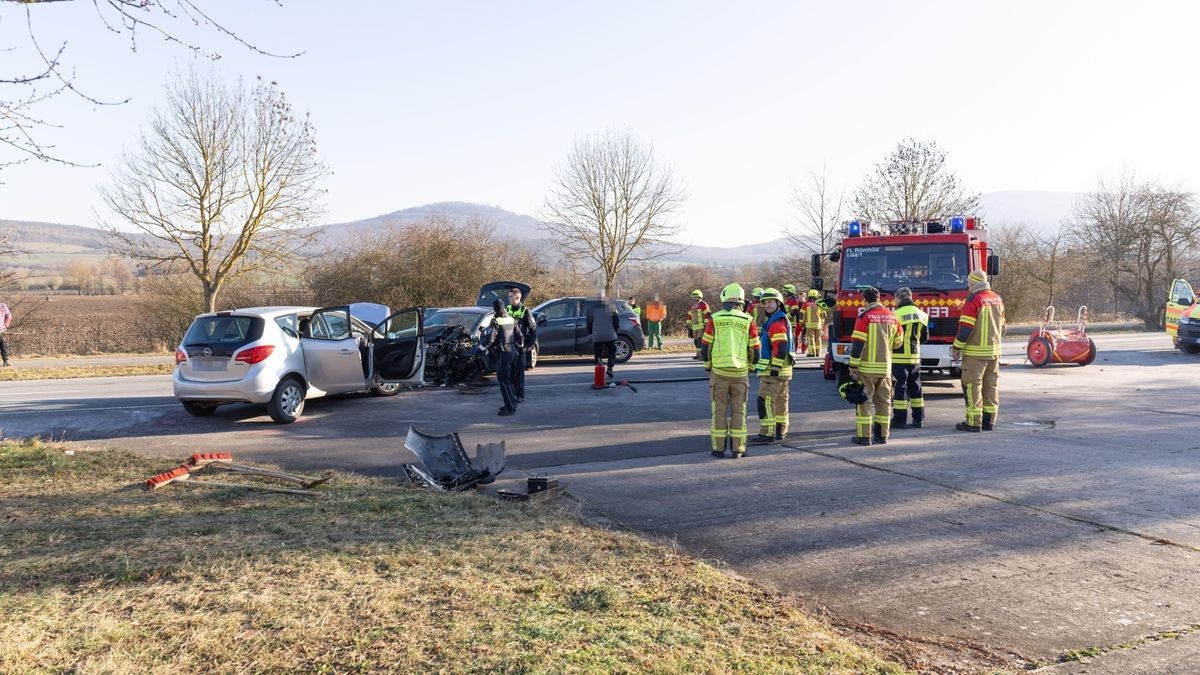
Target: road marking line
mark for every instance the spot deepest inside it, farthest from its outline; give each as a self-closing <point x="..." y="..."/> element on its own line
<point x="85" y="410"/>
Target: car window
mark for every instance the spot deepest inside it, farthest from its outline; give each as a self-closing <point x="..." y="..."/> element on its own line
<point x="223" y="330"/>
<point x="561" y="310"/>
<point x="1182" y="294"/>
<point x="329" y="326"/>
<point x="289" y="325"/>
<point x="402" y="325"/>
<point x="468" y="320"/>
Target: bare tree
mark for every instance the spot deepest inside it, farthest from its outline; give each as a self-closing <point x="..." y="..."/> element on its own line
<point x="1139" y="236"/>
<point x="913" y="183"/>
<point x="819" y="213"/>
<point x="223" y="183"/>
<point x="41" y="72"/>
<point x="611" y="204"/>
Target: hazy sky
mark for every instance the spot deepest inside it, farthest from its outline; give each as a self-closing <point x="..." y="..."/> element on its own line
<point x="478" y="101"/>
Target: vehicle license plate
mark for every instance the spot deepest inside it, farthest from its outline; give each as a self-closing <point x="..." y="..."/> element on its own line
<point x="208" y="365"/>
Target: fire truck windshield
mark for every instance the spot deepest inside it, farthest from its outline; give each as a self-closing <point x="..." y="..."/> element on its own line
<point x="942" y="266"/>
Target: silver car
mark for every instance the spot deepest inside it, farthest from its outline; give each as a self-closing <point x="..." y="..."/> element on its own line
<point x="282" y="356"/>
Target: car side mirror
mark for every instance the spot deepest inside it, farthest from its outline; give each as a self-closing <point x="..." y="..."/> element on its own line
<point x="540" y="319"/>
<point x="993" y="265"/>
<point x="835" y="256"/>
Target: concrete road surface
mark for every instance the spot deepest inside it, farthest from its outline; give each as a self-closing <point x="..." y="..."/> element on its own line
<point x="1075" y="525"/>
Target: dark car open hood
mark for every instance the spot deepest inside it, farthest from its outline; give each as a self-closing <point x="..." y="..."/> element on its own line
<point x="499" y="289"/>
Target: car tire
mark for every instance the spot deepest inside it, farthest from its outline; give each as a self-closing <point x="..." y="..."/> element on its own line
<point x="533" y="357"/>
<point x="1190" y="349"/>
<point x="385" y="389"/>
<point x="287" y="403"/>
<point x="624" y="349"/>
<point x="199" y="409"/>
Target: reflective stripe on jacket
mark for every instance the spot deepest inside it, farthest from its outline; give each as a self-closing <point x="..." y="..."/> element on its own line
<point x="914" y="329"/>
<point x="814" y="316"/>
<point x="876" y="334"/>
<point x="981" y="325"/>
<point x="777" y="348"/>
<point x="698" y="314"/>
<point x="730" y="335"/>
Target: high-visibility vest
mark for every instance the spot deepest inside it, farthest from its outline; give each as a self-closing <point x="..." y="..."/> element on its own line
<point x="912" y="320"/>
<point x="729" y="348"/>
<point x="813" y="316"/>
<point x="696" y="314"/>
<point x="878" y="331"/>
<point x="655" y="311"/>
<point x="983" y="313"/>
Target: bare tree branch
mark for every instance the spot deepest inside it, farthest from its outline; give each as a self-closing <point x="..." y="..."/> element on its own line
<point x="611" y="204"/>
<point x="223" y="184"/>
<point x="913" y="183"/>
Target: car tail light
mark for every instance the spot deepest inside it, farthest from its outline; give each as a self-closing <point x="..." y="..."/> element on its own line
<point x="255" y="354"/>
<point x="180" y="356"/>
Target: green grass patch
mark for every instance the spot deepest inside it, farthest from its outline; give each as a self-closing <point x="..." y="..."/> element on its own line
<point x="97" y="575"/>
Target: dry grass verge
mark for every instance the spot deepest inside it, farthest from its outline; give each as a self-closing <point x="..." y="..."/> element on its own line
<point x="72" y="372"/>
<point x="98" y="575"/>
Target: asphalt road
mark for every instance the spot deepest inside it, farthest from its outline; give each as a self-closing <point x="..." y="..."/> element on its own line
<point x="1075" y="525"/>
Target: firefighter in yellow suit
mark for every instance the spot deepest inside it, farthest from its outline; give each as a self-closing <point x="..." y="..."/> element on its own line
<point x="876" y="335"/>
<point x="730" y="349"/>
<point x="980" y="329"/>
<point x="814" y="321"/>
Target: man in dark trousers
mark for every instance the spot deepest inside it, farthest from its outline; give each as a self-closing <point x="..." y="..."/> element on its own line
<point x="602" y="323"/>
<point x="527" y="327"/>
<point x="505" y="345"/>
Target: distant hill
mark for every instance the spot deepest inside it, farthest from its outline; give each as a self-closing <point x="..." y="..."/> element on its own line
<point x="50" y="245"/>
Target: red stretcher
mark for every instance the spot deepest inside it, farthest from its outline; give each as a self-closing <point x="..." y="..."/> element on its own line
<point x="1059" y="345"/>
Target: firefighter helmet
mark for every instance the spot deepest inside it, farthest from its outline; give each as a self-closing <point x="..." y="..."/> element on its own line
<point x="789" y="288"/>
<point x="772" y="294"/>
<point x="853" y="392"/>
<point x="697" y="293"/>
<point x="733" y="293"/>
<point x="814" y="293"/>
<point x="757" y="292"/>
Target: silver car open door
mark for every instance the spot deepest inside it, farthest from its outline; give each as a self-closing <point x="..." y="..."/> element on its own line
<point x="399" y="346"/>
<point x="336" y="361"/>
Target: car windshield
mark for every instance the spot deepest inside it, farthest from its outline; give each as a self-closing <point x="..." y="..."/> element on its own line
<point x="448" y="317"/>
<point x="942" y="266"/>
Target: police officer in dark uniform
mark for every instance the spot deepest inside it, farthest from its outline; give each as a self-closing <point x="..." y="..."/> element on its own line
<point x="505" y="345"/>
<point x="527" y="327"/>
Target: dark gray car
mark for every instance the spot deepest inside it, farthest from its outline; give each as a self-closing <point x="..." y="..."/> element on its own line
<point x="562" y="327"/>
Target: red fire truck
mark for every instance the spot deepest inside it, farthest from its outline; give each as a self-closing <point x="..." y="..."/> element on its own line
<point x="931" y="257"/>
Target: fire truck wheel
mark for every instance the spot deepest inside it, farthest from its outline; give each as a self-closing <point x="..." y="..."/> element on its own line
<point x="1039" y="351"/>
<point x="1091" y="355"/>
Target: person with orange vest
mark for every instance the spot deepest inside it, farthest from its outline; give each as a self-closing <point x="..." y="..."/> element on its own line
<point x="697" y="315"/>
<point x="655" y="313"/>
<point x="980" y="329"/>
<point x="876" y="335"/>
<point x="814" y="322"/>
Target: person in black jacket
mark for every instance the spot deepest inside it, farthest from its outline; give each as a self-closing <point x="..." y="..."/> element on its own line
<point x="528" y="329"/>
<point x="504" y="344"/>
<point x="602" y="324"/>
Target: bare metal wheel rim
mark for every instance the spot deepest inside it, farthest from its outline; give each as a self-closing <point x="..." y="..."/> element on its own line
<point x="291" y="399"/>
<point x="622" y="349"/>
<point x="389" y="387"/>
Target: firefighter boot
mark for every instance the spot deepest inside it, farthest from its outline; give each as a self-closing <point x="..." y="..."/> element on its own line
<point x="989" y="423"/>
<point x="918" y="418"/>
<point x="877" y="436"/>
<point x="900" y="419"/>
<point x="780" y="433"/>
<point x="963" y="426"/>
<point x="861" y="440"/>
